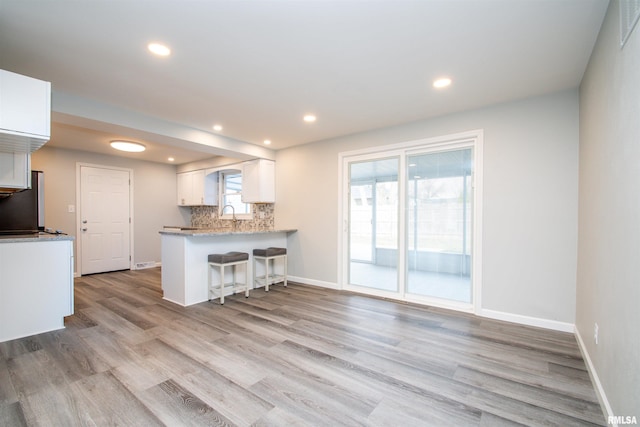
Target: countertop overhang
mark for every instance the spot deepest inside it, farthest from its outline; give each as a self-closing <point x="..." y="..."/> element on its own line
<point x="202" y="232"/>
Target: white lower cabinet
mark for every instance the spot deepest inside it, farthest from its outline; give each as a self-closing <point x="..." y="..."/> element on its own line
<point x="36" y="287"/>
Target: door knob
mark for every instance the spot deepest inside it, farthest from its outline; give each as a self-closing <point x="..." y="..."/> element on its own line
<point x="84" y="221"/>
<point x="84" y="229"/>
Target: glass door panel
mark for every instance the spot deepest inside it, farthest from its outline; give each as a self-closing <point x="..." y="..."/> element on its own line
<point x="373" y="224"/>
<point x="439" y="218"/>
<point x="361" y="222"/>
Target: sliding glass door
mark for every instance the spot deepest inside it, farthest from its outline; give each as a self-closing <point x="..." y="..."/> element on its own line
<point x="439" y="221"/>
<point x="410" y="217"/>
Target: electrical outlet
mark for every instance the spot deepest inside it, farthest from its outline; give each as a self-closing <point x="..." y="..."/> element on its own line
<point x="595" y="333"/>
<point x="71" y="208"/>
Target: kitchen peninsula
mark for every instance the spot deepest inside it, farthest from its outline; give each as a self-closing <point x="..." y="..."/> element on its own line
<point x="184" y="257"/>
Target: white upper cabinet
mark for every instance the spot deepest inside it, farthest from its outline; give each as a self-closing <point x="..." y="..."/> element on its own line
<point x="198" y="188"/>
<point x="15" y="171"/>
<point x="25" y="112"/>
<point x="259" y="181"/>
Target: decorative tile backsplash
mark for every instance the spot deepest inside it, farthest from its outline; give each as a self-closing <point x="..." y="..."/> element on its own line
<point x="207" y="217"/>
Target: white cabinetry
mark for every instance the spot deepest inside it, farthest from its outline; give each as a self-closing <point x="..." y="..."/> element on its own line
<point x="197" y="188"/>
<point x="259" y="181"/>
<point x="15" y="170"/>
<point x="36" y="286"/>
<point x="25" y="109"/>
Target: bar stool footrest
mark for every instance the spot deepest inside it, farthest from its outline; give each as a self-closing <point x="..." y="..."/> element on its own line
<point x="273" y="279"/>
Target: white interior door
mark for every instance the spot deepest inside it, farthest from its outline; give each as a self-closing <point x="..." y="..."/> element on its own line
<point x="105" y="227"/>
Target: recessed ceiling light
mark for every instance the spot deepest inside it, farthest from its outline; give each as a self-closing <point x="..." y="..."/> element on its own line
<point x="267" y="142"/>
<point x="159" y="49"/>
<point x="131" y="147"/>
<point x="441" y="82"/>
<point x="217" y="128"/>
<point x="309" y="118"/>
<point x="171" y="159"/>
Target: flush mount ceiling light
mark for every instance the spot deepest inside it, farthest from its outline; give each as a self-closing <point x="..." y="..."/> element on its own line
<point x="171" y="159"/>
<point x="217" y="128"/>
<point x="267" y="142"/>
<point x="442" y="82"/>
<point x="131" y="147"/>
<point x="159" y="49"/>
<point x="309" y="118"/>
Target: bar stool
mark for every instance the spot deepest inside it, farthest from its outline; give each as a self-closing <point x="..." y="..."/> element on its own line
<point x="233" y="260"/>
<point x="268" y="256"/>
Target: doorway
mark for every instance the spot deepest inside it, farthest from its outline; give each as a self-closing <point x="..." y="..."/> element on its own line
<point x="104" y="218"/>
<point x="411" y="216"/>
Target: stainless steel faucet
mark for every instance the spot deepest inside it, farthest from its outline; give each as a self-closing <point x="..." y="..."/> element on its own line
<point x="233" y="214"/>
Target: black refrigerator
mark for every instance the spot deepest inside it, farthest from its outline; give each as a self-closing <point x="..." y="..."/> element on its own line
<point x="23" y="212"/>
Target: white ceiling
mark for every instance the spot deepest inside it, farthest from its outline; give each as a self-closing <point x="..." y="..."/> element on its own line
<point x="256" y="67"/>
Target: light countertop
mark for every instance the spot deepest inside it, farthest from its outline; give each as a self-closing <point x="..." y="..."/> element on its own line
<point x="41" y="237"/>
<point x="201" y="232"/>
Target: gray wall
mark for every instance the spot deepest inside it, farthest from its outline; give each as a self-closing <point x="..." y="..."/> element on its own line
<point x="154" y="198"/>
<point x="530" y="201"/>
<point x="608" y="283"/>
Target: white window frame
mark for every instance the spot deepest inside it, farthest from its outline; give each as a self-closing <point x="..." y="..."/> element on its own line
<point x="228" y="213"/>
<point x="472" y="138"/>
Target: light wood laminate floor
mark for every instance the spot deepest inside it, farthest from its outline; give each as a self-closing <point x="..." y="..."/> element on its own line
<point x="294" y="356"/>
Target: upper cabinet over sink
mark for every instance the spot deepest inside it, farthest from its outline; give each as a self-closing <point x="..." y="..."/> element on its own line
<point x="25" y="113"/>
<point x="198" y="188"/>
<point x="258" y="181"/>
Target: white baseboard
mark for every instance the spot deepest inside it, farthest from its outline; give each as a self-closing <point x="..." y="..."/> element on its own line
<point x="145" y="265"/>
<point x="313" y="282"/>
<point x="602" y="397"/>
<point x="527" y="320"/>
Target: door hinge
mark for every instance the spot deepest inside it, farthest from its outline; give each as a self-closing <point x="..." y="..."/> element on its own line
<point x="129" y="220"/>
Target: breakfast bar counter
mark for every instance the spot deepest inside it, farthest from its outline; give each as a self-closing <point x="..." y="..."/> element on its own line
<point x="185" y="251"/>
